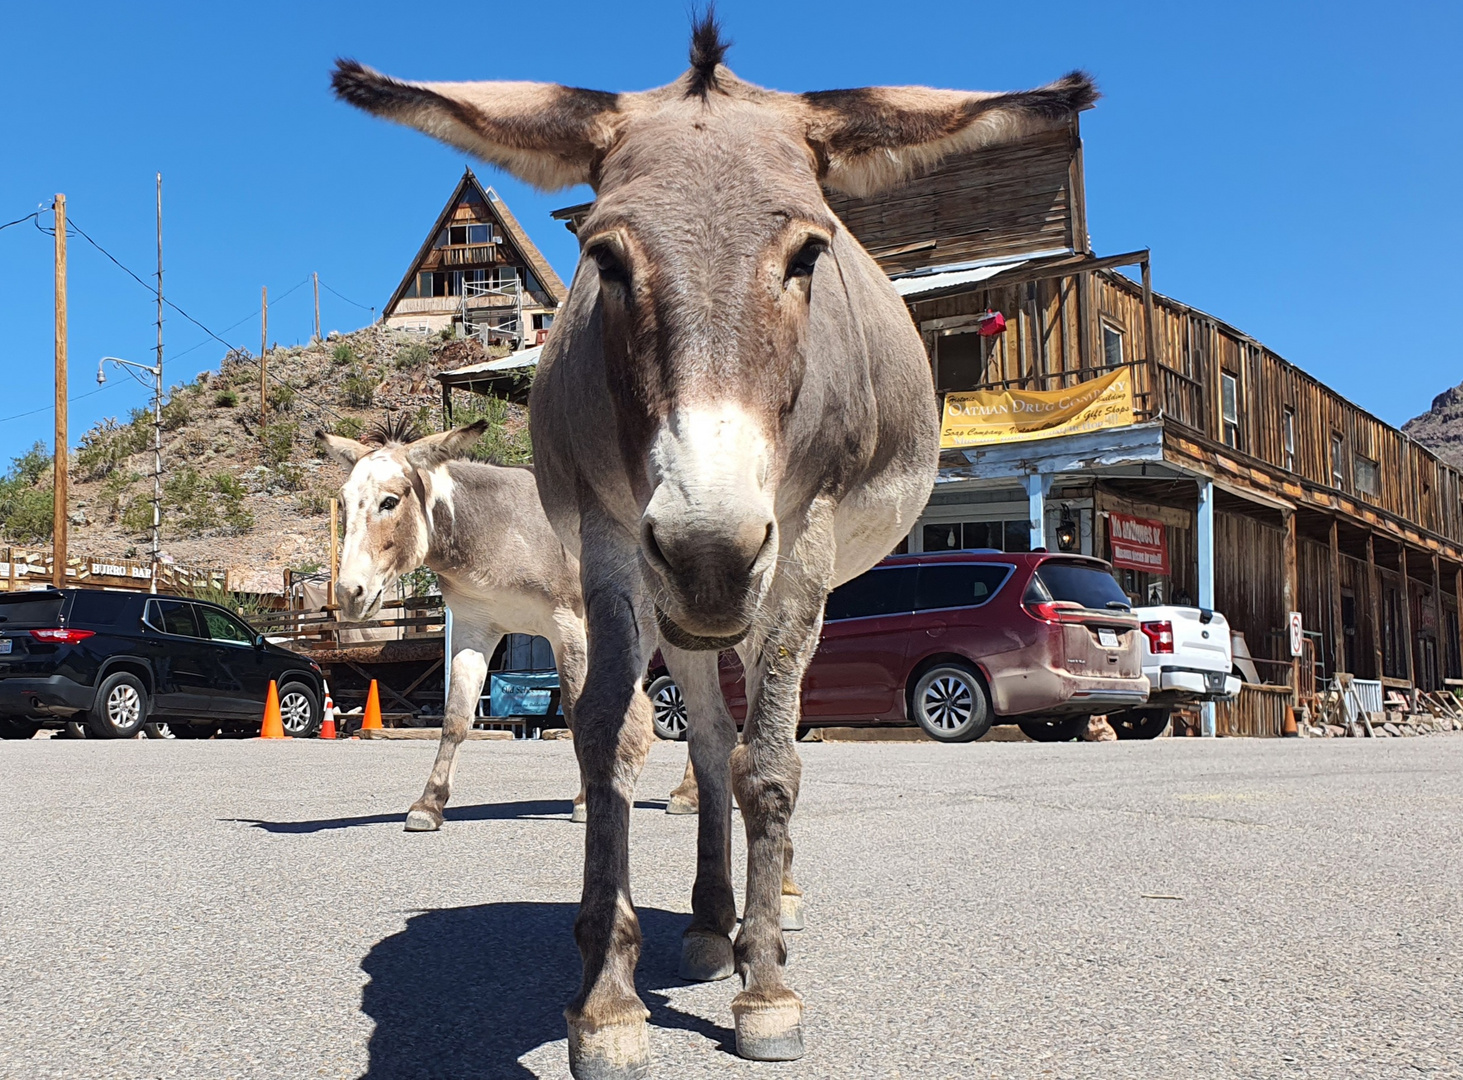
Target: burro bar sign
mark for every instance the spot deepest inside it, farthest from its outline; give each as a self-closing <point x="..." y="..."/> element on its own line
<point x="1001" y="416"/>
<point x="1138" y="543"/>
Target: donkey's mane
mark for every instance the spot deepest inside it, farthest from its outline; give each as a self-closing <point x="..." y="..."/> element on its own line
<point x="708" y="49"/>
<point x="395" y="430"/>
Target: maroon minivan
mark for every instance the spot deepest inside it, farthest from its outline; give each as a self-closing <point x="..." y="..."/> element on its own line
<point x="957" y="642"/>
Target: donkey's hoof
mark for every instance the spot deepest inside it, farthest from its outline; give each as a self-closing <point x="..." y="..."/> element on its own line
<point x="611" y="1052"/>
<point x="769" y="1030"/>
<point x="792" y="911"/>
<point x="579" y="815"/>
<point x="705" y="956"/>
<point x="682" y="804"/>
<point x="419" y="820"/>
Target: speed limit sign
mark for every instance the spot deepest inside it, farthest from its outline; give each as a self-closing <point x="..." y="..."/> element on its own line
<point x="1297" y="635"/>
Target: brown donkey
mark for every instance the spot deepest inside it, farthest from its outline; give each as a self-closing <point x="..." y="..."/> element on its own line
<point x="733" y="415"/>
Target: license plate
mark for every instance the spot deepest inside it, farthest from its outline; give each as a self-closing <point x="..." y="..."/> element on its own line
<point x="1108" y="639"/>
<point x="6" y="645"/>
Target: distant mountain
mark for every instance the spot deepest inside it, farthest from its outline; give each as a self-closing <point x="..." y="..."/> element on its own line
<point x="1440" y="429"/>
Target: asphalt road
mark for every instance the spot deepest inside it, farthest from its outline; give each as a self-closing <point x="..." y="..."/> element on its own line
<point x="247" y="909"/>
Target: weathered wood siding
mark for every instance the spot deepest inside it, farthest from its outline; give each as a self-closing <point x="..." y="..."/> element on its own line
<point x="1011" y="200"/>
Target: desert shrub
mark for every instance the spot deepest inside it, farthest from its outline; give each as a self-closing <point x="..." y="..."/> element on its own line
<point x="234" y="515"/>
<point x="500" y="444"/>
<point x="136" y="515"/>
<point x="413" y="356"/>
<point x="348" y="427"/>
<point x="342" y="354"/>
<point x="176" y="411"/>
<point x="107" y="445"/>
<point x="25" y="504"/>
<point x="282" y="397"/>
<point x="447" y="333"/>
<point x="359" y="387"/>
<point x="225" y="399"/>
<point x="194" y="503"/>
<point x="246" y="604"/>
<point x="314" y="500"/>
<point x="277" y="441"/>
<point x="286" y="476"/>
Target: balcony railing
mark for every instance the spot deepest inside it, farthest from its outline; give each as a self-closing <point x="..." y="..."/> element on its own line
<point x="469" y="255"/>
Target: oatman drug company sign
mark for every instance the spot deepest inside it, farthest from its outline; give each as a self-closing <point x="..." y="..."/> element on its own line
<point x="982" y="417"/>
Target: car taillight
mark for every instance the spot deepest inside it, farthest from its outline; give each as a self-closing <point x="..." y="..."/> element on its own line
<point x="70" y="637"/>
<point x="1053" y="610"/>
<point x="1159" y="635"/>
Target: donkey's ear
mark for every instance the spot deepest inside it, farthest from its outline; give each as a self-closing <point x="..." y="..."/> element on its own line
<point x="545" y="134"/>
<point x="429" y="452"/>
<point x="345" y="451"/>
<point x="877" y="136"/>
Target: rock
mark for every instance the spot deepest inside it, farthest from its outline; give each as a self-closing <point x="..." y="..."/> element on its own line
<point x="1392" y="729"/>
<point x="1408" y="729"/>
<point x="1099" y="730"/>
<point x="1335" y="731"/>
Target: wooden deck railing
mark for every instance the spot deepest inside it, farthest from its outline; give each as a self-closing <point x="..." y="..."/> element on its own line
<point x="419" y="617"/>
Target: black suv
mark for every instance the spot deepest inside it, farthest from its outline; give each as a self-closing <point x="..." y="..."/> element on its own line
<point x="116" y="662"/>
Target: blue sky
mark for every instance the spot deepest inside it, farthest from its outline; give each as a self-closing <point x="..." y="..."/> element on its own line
<point x="1295" y="168"/>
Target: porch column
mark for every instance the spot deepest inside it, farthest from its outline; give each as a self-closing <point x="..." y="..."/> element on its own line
<point x="1038" y="487"/>
<point x="1291" y="588"/>
<point x="1374" y="602"/>
<point x="1440" y="635"/>
<point x="1338" y="633"/>
<point x="1406" y="612"/>
<point x="1204" y="543"/>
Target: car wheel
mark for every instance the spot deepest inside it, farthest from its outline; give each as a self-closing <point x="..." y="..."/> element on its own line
<point x="1140" y="723"/>
<point x="120" y="709"/>
<point x="949" y="703"/>
<point x="18" y="729"/>
<point x="193" y="731"/>
<point x="1053" y="729"/>
<point x="669" y="717"/>
<point x="158" y="731"/>
<point x="77" y="729"/>
<point x="299" y="710"/>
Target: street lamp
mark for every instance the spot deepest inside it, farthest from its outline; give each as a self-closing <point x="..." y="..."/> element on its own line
<point x="157" y="443"/>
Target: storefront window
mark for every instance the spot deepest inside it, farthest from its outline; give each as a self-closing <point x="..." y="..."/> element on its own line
<point x="975" y="535"/>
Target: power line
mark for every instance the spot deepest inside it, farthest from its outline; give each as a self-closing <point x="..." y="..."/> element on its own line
<point x="48" y="408"/>
<point x="20" y="220"/>
<point x="348" y="300"/>
<point x="71" y="224"/>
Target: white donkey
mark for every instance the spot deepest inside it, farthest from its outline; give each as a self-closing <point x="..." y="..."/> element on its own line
<point x="482" y="530"/>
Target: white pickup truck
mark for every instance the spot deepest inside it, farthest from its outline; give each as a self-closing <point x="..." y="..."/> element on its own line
<point x="1188" y="657"/>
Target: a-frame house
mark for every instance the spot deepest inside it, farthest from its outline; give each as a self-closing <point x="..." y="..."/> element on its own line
<point x="478" y="272"/>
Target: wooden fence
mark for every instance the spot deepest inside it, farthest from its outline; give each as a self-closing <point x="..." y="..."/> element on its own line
<point x="1258" y="712"/>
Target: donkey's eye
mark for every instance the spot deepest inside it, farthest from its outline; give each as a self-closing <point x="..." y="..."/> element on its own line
<point x="389" y="503"/>
<point x="801" y="265"/>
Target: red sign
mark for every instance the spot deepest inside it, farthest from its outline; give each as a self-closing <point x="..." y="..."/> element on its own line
<point x="1138" y="543"/>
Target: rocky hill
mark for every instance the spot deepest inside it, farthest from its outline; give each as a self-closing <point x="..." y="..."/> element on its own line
<point x="253" y="498"/>
<point x="1440" y="429"/>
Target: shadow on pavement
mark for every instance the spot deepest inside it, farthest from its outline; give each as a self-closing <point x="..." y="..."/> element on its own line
<point x="463" y="993"/>
<point x="526" y="810"/>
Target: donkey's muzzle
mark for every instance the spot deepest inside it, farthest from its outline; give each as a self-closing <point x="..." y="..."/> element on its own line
<point x="707" y="581"/>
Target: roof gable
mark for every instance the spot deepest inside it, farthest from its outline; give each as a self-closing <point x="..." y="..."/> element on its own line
<point x="469" y="190"/>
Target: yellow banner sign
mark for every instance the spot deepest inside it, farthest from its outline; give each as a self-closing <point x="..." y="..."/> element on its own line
<point x="1001" y="416"/>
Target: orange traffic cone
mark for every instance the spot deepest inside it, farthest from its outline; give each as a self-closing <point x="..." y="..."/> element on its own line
<point x="273" y="726"/>
<point x="372" y="720"/>
<point x="327" y="726"/>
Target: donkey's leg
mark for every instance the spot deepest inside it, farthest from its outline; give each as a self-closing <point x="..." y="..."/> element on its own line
<point x="469" y="670"/>
<point x="608" y="1035"/>
<point x="571" y="656"/>
<point x="766" y="771"/>
<point x="706" y="951"/>
<point x="685" y="797"/>
<point x="792" y="896"/>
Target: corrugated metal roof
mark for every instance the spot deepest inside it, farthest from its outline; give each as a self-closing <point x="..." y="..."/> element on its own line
<point x="921" y="283"/>
<point x="524" y="358"/>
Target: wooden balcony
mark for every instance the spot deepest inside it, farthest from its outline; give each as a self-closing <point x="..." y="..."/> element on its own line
<point x="469" y="255"/>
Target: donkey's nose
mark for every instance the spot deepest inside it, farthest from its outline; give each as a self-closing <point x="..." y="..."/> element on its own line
<point x="691" y="552"/>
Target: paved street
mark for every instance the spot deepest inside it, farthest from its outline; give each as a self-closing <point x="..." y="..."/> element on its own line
<point x="247" y="909"/>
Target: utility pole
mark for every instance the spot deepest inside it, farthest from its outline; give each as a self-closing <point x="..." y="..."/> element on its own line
<point x="316" y="278"/>
<point x="157" y="404"/>
<point x="61" y="461"/>
<point x="263" y="352"/>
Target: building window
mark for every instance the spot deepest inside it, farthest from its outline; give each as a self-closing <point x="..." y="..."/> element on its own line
<point x="974" y="535"/>
<point x="1338" y="460"/>
<point x="1287" y="429"/>
<point x="458" y="235"/>
<point x="543" y="321"/>
<point x="1229" y="408"/>
<point x="959" y="361"/>
<point x="1112" y="346"/>
<point x="1368" y="476"/>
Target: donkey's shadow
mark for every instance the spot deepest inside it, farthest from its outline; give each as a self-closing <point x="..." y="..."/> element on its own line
<point x="463" y="993"/>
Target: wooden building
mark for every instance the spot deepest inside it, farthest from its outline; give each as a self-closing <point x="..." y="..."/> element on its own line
<point x="1269" y="492"/>
<point x="479" y="273"/>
